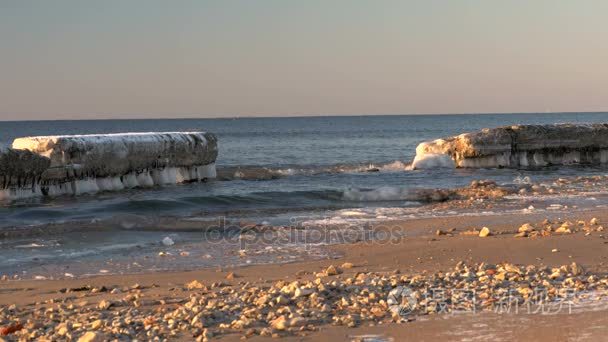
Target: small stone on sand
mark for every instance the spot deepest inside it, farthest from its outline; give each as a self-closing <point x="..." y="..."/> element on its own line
<point x="347" y="265"/>
<point x="484" y="232"/>
<point x="92" y="336"/>
<point x="525" y="228"/>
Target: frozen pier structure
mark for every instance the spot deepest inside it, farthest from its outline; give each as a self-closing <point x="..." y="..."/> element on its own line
<point x="521" y="146"/>
<point x="76" y="164"/>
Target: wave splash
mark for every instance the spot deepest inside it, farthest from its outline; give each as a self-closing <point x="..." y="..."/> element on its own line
<point x="477" y="189"/>
<point x="386" y="193"/>
<point x="269" y="173"/>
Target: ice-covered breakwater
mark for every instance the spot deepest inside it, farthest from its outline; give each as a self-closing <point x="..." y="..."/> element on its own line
<point x="20" y="171"/>
<point x="75" y="164"/>
<point x="517" y="146"/>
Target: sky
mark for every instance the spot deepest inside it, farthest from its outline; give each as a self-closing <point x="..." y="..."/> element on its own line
<point x="85" y="59"/>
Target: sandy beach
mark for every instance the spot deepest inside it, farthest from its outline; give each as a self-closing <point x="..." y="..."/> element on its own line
<point x="255" y="301"/>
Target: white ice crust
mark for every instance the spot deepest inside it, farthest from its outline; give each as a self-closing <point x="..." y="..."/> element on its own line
<point x="518" y="146"/>
<point x="80" y="164"/>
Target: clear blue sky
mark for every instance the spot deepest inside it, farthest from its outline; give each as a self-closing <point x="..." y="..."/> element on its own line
<point x="87" y="59"/>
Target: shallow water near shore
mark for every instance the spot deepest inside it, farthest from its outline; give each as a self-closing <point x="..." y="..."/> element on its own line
<point x="103" y="252"/>
<point x="329" y="171"/>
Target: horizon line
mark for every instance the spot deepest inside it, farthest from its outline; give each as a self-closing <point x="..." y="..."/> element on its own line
<point x="303" y="116"/>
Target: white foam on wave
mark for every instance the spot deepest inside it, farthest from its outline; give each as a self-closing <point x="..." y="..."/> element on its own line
<point x="396" y="165"/>
<point x="432" y="161"/>
<point x="351" y="213"/>
<point x="346" y="217"/>
<point x="31" y="245"/>
<point x="266" y="173"/>
<point x="386" y="193"/>
<point x="428" y="156"/>
<point x="522" y="180"/>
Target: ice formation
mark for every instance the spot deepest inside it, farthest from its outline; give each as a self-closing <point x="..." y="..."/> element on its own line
<point x="20" y="172"/>
<point x="76" y="164"/>
<point x="518" y="146"/>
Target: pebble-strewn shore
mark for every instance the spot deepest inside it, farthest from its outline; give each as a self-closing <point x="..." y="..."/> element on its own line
<point x="204" y="311"/>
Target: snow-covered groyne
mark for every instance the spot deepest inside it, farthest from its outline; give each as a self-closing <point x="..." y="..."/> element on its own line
<point x="20" y="172"/>
<point x="517" y="146"/>
<point x="76" y="164"/>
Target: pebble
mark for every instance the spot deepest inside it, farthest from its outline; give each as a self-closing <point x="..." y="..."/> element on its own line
<point x="12" y="328"/>
<point x="96" y="324"/>
<point x="298" y="322"/>
<point x="484" y="232"/>
<point x="280" y="323"/>
<point x="92" y="336"/>
<point x="195" y="284"/>
<point x="104" y="305"/>
<point x="521" y="234"/>
<point x="332" y="271"/>
<point x="302" y="291"/>
<point x="576" y="269"/>
<point x="282" y="300"/>
<point x="62" y="329"/>
<point x="525" y="228"/>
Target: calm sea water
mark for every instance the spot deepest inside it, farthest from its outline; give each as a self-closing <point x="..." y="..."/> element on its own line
<point x="286" y="164"/>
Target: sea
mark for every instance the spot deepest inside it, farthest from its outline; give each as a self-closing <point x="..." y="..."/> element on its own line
<point x="271" y="171"/>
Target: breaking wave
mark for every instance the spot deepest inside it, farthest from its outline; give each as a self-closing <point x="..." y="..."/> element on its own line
<point x="381" y="194"/>
<point x="389" y="193"/>
<point x="151" y="205"/>
<point x="269" y="173"/>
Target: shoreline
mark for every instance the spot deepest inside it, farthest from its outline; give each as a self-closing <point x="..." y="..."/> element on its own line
<point x="421" y="252"/>
<point x="248" y="239"/>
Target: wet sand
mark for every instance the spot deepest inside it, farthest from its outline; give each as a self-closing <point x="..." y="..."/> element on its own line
<point x="422" y="251"/>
